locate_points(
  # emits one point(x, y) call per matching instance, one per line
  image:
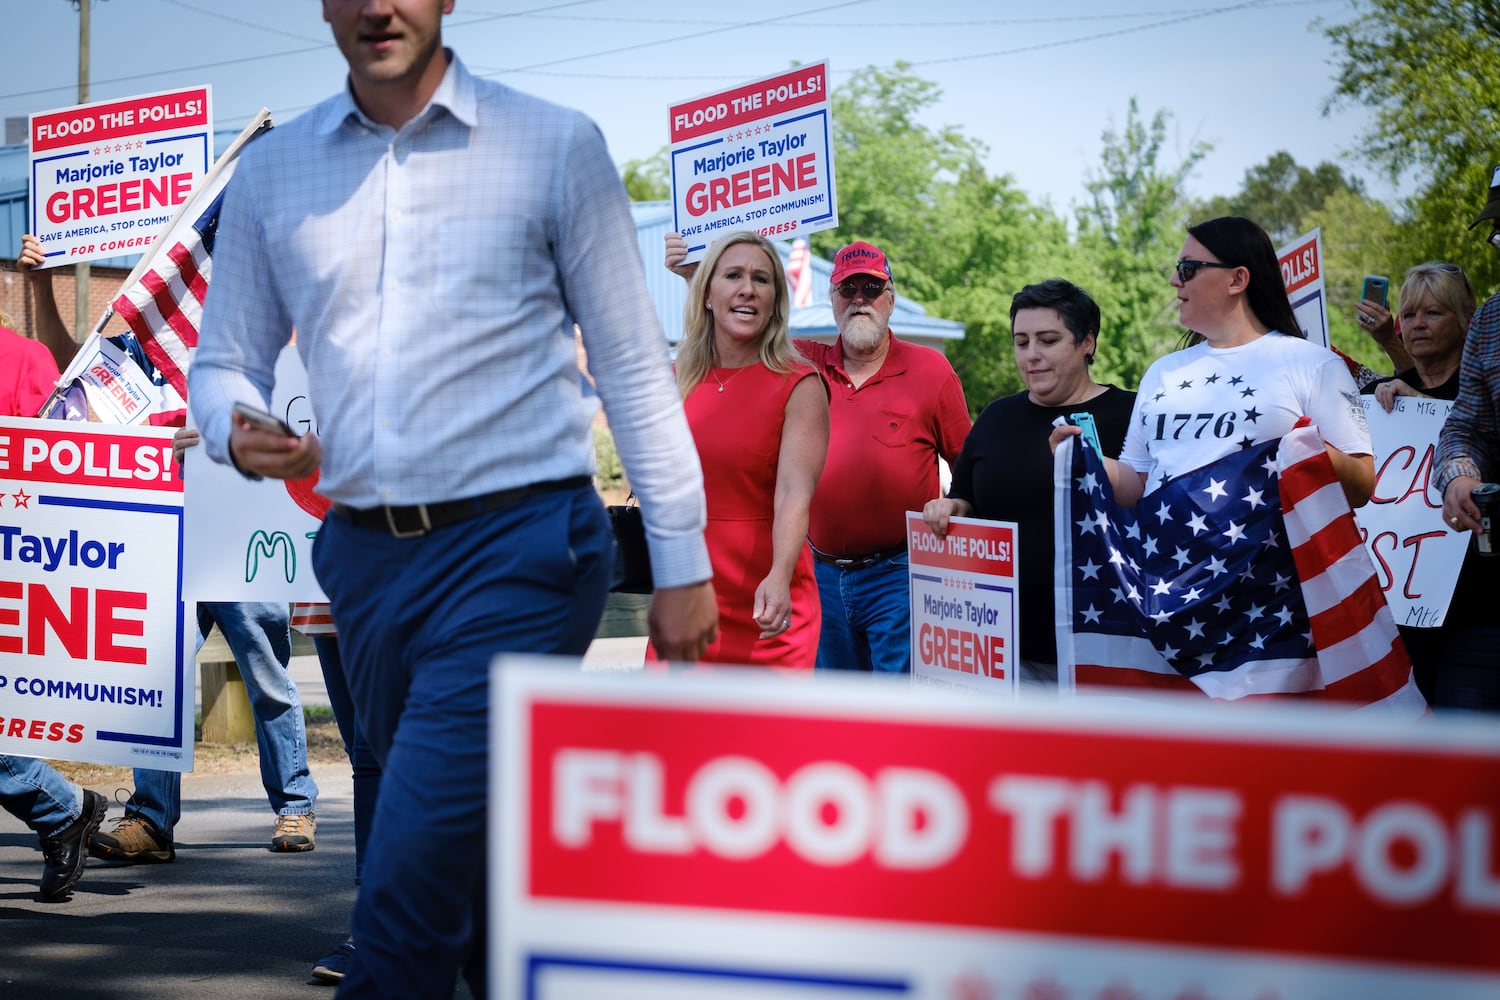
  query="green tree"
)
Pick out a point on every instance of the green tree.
point(649, 178)
point(1359, 238)
point(960, 240)
point(1129, 232)
point(1430, 70)
point(1279, 194)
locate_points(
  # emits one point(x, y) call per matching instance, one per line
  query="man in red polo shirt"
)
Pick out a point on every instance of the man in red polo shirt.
point(894, 409)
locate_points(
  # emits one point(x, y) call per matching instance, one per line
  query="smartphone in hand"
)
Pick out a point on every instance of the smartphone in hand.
point(261, 420)
point(1375, 289)
point(1090, 431)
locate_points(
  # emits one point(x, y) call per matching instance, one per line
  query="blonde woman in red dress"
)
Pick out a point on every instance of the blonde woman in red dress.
point(759, 415)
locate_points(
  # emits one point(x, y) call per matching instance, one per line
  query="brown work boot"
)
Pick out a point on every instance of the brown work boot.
point(134, 840)
point(295, 833)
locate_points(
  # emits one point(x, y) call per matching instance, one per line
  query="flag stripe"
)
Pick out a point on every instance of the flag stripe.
point(1109, 675)
point(164, 308)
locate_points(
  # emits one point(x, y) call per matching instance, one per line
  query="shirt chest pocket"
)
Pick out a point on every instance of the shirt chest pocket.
point(895, 426)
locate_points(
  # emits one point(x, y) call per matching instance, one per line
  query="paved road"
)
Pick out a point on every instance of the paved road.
point(227, 919)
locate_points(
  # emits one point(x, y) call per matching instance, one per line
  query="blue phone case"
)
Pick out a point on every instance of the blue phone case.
point(1090, 432)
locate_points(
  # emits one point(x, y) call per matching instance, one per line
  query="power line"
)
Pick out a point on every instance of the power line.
point(680, 38)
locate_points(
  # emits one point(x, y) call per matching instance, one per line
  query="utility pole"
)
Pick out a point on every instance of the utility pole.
point(83, 320)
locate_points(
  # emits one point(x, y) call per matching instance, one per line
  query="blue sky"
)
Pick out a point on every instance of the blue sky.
point(1036, 83)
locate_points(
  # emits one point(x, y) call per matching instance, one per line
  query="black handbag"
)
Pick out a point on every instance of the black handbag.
point(632, 557)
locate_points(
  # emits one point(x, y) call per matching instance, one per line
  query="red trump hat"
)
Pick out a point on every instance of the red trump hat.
point(860, 258)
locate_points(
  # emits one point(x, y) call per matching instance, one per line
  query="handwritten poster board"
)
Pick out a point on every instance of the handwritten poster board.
point(1417, 557)
point(251, 540)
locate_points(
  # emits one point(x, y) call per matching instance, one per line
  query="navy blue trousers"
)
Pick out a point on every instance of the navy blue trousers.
point(420, 620)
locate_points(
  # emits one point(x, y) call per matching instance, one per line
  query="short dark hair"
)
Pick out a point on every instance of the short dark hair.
point(1241, 243)
point(1079, 311)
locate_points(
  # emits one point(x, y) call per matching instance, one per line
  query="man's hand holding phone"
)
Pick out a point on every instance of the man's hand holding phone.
point(263, 445)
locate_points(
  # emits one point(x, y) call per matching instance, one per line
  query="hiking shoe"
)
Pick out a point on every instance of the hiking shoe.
point(294, 833)
point(64, 854)
point(135, 840)
point(332, 967)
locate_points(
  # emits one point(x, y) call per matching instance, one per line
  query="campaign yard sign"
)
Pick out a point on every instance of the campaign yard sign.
point(92, 659)
point(758, 157)
point(963, 604)
point(749, 837)
point(1302, 271)
point(107, 177)
point(251, 540)
point(1417, 557)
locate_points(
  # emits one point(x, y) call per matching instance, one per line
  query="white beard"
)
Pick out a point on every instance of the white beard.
point(862, 333)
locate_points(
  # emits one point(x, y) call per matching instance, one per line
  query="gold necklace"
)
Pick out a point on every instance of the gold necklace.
point(723, 382)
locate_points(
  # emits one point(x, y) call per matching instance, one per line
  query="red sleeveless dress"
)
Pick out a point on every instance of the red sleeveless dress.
point(738, 433)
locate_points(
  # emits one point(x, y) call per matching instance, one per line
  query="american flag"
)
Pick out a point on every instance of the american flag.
point(799, 274)
point(164, 306)
point(162, 300)
point(1246, 577)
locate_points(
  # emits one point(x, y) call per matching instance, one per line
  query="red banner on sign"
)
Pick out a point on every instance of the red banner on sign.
point(1239, 842)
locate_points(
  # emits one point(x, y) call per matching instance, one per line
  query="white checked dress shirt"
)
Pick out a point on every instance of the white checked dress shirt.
point(433, 275)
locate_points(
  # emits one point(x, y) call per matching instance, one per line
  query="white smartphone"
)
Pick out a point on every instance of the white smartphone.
point(262, 420)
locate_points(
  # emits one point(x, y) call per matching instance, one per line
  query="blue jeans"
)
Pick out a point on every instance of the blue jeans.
point(866, 617)
point(261, 640)
point(420, 620)
point(361, 758)
point(33, 792)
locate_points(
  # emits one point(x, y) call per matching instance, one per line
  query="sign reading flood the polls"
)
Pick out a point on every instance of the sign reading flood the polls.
point(107, 177)
point(748, 837)
point(756, 157)
point(91, 617)
point(963, 604)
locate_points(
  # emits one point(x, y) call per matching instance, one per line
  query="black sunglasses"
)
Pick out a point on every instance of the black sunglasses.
point(1186, 269)
point(871, 288)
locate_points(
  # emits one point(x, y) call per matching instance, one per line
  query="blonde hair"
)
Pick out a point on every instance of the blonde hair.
point(1445, 284)
point(696, 353)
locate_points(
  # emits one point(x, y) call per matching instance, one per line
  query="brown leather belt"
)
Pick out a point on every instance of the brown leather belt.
point(855, 562)
point(419, 519)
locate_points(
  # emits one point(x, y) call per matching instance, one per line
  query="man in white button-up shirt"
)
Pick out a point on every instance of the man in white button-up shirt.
point(433, 238)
